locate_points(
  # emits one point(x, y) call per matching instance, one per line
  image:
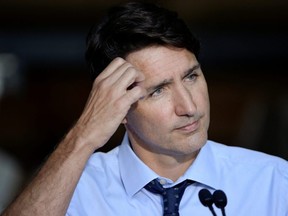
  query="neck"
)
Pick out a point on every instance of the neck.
point(171, 166)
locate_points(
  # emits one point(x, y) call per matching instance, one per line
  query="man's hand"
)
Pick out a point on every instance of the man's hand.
point(112, 94)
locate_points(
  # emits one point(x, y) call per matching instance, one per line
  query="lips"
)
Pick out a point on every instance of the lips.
point(190, 127)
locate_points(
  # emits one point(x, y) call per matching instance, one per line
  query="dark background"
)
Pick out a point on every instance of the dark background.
point(44, 81)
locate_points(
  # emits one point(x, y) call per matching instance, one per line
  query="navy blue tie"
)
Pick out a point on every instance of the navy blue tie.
point(171, 196)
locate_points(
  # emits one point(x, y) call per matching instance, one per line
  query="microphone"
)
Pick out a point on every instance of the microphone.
point(206, 199)
point(220, 200)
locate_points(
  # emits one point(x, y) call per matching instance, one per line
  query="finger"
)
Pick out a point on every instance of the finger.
point(132, 96)
point(112, 67)
point(129, 79)
point(121, 72)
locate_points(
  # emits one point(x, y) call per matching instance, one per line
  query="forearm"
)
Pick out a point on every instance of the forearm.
point(51, 190)
point(108, 103)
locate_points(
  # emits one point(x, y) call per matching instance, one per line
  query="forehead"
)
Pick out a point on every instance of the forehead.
point(160, 62)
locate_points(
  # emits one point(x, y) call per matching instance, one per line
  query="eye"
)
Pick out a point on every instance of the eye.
point(157, 92)
point(192, 76)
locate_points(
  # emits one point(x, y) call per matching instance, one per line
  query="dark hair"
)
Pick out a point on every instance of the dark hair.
point(134, 26)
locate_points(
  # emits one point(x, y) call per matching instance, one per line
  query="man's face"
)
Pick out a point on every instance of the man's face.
point(173, 118)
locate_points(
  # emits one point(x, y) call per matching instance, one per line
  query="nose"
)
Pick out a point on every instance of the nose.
point(183, 102)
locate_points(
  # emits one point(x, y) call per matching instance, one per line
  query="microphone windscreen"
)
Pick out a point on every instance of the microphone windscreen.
point(205, 197)
point(220, 198)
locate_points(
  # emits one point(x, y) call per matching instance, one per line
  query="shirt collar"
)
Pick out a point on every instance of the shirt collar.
point(135, 174)
point(205, 169)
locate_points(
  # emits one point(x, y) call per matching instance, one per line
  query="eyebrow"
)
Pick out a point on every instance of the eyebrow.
point(191, 70)
point(160, 85)
point(169, 81)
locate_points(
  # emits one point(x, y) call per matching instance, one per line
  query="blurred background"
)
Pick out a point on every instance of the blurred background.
point(44, 82)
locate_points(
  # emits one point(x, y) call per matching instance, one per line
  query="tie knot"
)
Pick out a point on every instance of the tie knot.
point(171, 196)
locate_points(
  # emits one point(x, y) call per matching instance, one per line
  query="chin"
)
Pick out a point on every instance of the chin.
point(197, 142)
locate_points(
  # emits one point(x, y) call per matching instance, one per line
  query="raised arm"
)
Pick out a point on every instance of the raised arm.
point(110, 99)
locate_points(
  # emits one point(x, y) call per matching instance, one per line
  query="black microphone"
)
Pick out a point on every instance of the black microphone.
point(220, 200)
point(206, 199)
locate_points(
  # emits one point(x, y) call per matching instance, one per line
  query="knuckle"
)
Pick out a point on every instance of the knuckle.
point(111, 93)
point(131, 71)
point(119, 105)
point(101, 85)
point(135, 94)
point(119, 60)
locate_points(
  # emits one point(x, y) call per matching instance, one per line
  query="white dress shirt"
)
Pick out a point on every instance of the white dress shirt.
point(112, 184)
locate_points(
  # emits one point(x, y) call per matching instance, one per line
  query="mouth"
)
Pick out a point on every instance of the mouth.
point(190, 127)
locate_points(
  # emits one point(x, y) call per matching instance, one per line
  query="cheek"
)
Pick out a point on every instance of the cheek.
point(205, 101)
point(149, 116)
point(203, 97)
point(156, 114)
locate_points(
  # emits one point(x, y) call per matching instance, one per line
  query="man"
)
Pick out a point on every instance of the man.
point(151, 81)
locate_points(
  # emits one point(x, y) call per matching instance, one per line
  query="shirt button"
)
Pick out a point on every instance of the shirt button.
point(162, 181)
